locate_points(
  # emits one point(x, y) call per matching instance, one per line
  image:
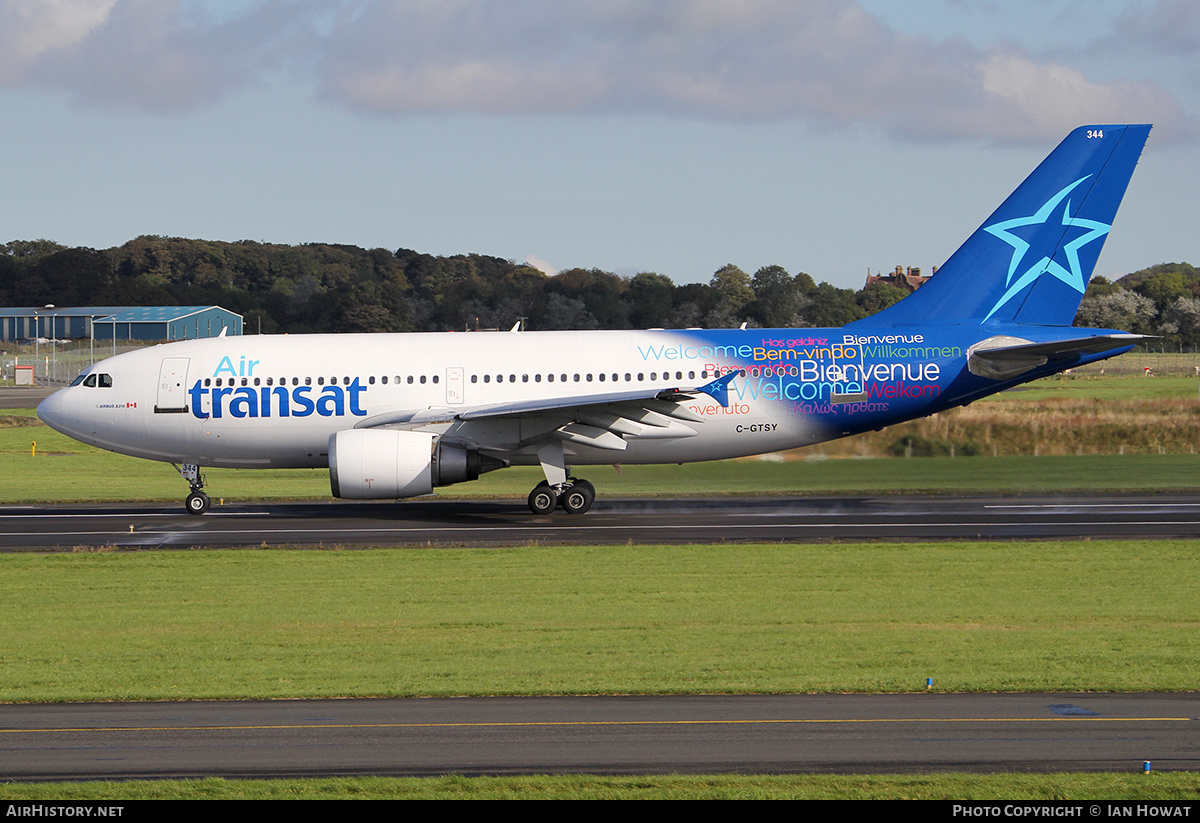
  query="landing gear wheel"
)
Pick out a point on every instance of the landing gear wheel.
point(543, 499)
point(578, 498)
point(197, 503)
point(577, 482)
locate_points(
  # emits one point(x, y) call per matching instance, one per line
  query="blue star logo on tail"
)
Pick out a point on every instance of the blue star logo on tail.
point(1072, 276)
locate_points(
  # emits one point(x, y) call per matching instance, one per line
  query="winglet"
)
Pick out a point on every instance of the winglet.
point(719, 389)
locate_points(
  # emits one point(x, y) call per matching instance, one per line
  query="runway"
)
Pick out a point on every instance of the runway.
point(775, 734)
point(25, 397)
point(431, 522)
point(605, 735)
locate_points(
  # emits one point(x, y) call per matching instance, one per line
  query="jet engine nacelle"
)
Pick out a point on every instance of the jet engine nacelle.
point(380, 464)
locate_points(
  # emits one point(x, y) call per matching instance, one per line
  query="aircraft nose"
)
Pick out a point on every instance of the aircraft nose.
point(50, 409)
point(55, 412)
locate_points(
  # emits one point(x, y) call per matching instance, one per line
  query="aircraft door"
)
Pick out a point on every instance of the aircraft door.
point(172, 386)
point(454, 385)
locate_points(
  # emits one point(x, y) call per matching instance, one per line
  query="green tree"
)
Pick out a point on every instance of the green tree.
point(1099, 285)
point(601, 293)
point(876, 297)
point(732, 294)
point(778, 299)
point(367, 319)
point(651, 297)
point(831, 307)
point(1124, 310)
point(30, 251)
point(1164, 288)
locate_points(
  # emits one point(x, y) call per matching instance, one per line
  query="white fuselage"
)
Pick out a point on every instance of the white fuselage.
point(274, 401)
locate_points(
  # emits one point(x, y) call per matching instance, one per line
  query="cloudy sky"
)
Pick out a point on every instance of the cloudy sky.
point(829, 136)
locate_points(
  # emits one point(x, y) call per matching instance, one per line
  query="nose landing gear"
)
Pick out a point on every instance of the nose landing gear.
point(197, 502)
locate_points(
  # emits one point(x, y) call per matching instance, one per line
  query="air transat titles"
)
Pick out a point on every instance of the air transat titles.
point(276, 401)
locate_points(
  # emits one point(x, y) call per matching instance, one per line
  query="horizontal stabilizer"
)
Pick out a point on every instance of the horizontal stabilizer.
point(1003, 357)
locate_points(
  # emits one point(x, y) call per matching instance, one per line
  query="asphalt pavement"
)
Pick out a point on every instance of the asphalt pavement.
point(775, 734)
point(434, 522)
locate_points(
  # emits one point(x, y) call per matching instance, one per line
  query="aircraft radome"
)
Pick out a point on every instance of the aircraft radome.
point(395, 415)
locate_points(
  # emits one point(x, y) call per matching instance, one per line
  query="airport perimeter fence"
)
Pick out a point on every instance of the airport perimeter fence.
point(1157, 362)
point(57, 364)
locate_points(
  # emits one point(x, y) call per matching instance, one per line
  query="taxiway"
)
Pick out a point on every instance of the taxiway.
point(602, 735)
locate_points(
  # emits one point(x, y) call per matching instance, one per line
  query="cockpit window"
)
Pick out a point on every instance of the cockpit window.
point(90, 382)
point(78, 380)
point(105, 381)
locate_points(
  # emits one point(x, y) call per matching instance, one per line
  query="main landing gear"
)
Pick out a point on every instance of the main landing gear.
point(575, 496)
point(197, 502)
point(558, 489)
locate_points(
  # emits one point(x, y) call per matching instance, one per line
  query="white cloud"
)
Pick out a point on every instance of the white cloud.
point(829, 63)
point(1167, 26)
point(1051, 98)
point(154, 55)
point(32, 29)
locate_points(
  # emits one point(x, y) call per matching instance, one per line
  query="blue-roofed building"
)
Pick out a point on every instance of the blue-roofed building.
point(119, 322)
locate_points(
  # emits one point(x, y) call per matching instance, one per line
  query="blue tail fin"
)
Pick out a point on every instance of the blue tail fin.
point(1030, 262)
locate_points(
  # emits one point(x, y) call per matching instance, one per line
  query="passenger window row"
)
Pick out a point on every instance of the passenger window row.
point(602, 377)
point(104, 381)
point(309, 381)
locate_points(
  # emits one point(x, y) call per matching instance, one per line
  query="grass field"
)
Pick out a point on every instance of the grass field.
point(1021, 616)
point(94, 476)
point(1056, 416)
point(1169, 786)
point(1044, 616)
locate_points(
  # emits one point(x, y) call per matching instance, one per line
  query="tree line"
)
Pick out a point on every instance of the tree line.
point(319, 287)
point(1162, 300)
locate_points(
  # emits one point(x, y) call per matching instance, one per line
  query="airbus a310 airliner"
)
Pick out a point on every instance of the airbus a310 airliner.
point(394, 415)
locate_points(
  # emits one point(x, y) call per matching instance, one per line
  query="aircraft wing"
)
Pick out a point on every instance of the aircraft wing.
point(598, 420)
point(1003, 357)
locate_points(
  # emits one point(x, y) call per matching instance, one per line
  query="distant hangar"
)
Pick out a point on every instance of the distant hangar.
point(145, 323)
